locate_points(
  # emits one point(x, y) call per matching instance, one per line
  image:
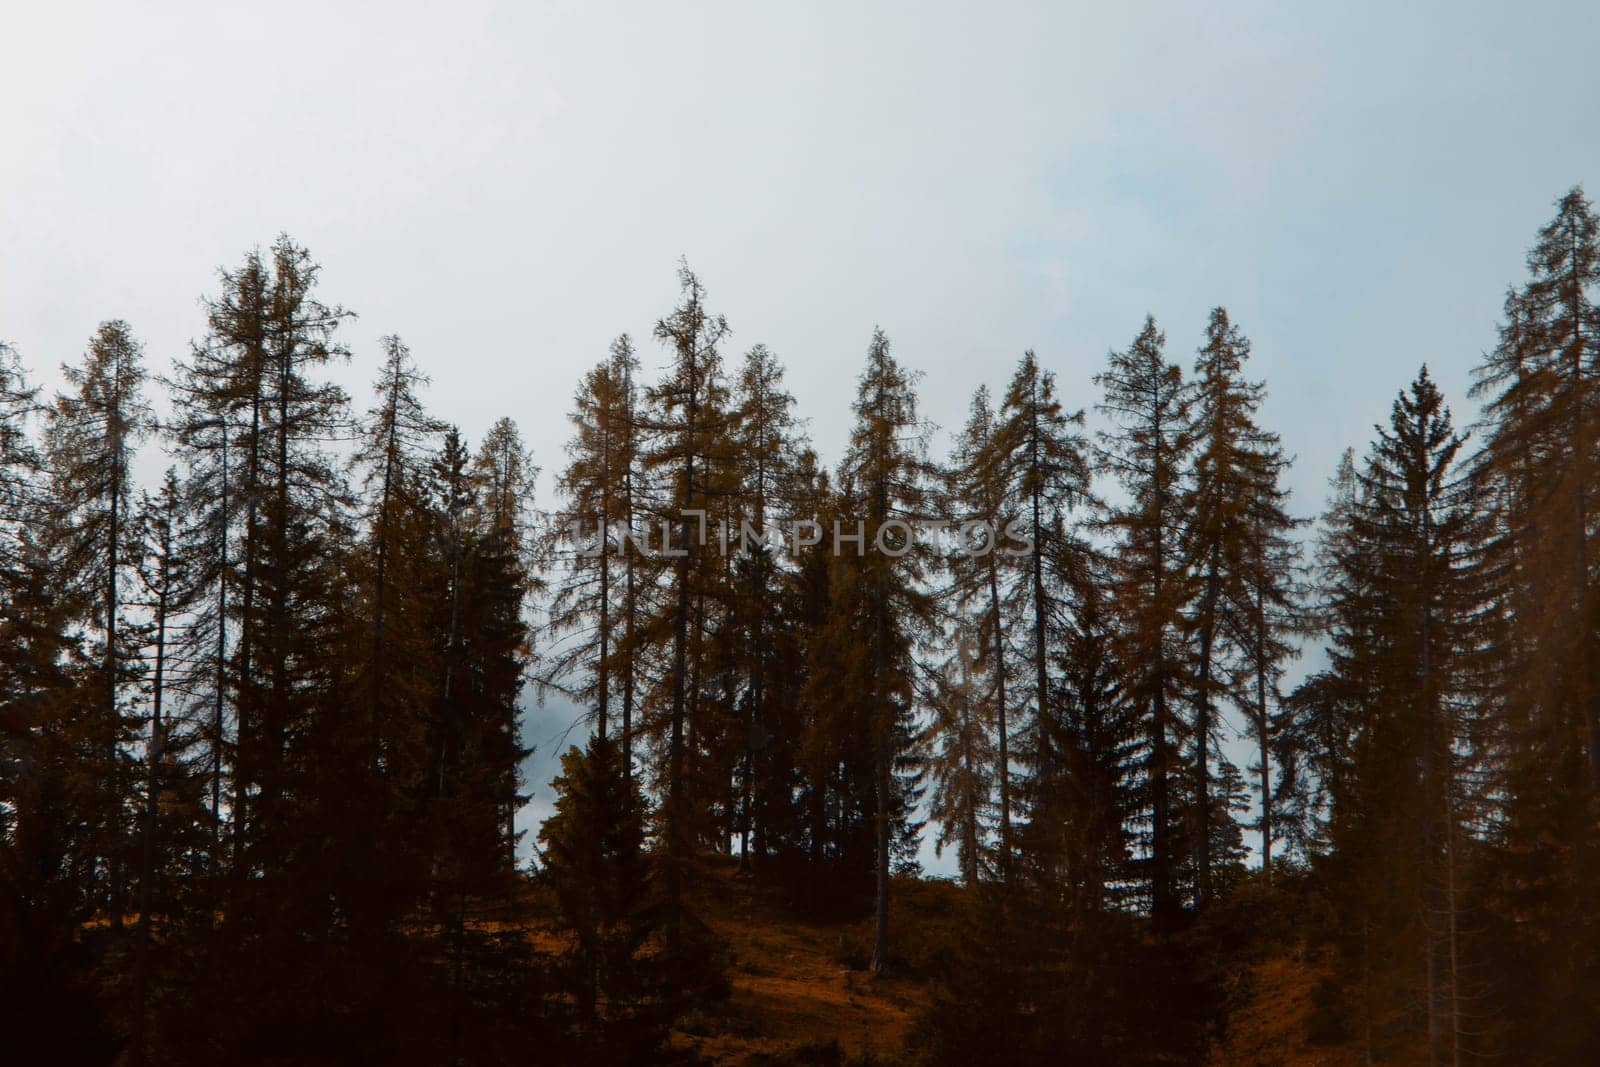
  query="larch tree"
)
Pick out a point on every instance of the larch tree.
point(979, 500)
point(1234, 545)
point(764, 456)
point(1043, 464)
point(396, 441)
point(961, 758)
point(592, 540)
point(504, 470)
point(686, 422)
point(91, 434)
point(881, 597)
point(1147, 448)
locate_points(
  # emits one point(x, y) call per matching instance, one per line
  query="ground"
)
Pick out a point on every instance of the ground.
point(799, 987)
point(1268, 1030)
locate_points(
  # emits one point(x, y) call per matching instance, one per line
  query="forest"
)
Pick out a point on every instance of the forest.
point(261, 738)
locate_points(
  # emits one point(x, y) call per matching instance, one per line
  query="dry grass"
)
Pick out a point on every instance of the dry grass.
point(797, 984)
point(792, 985)
point(1269, 1031)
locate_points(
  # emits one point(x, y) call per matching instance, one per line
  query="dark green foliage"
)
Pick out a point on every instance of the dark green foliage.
point(593, 859)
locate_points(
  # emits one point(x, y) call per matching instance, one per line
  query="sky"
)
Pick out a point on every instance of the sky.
point(509, 186)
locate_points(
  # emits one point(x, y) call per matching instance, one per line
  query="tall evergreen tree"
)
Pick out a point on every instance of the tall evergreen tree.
point(91, 434)
point(505, 474)
point(961, 755)
point(980, 502)
point(764, 457)
point(594, 860)
point(1147, 449)
point(687, 421)
point(1044, 468)
point(1538, 464)
point(594, 534)
point(1235, 546)
point(881, 598)
point(1406, 608)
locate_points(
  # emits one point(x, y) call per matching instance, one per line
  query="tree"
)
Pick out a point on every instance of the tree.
point(1236, 547)
point(764, 458)
point(505, 473)
point(594, 861)
point(166, 576)
point(961, 757)
point(1045, 471)
point(1405, 614)
point(880, 597)
point(395, 440)
point(980, 502)
point(19, 459)
point(90, 437)
point(1151, 438)
point(687, 420)
point(596, 527)
point(1537, 465)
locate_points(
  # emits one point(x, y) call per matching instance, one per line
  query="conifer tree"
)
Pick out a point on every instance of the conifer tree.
point(1405, 609)
point(91, 434)
point(19, 459)
point(1147, 450)
point(961, 757)
point(980, 502)
point(1100, 737)
point(880, 597)
point(687, 419)
point(594, 860)
point(171, 819)
point(1236, 522)
point(764, 458)
point(1045, 473)
point(1537, 464)
point(505, 473)
point(594, 532)
point(395, 441)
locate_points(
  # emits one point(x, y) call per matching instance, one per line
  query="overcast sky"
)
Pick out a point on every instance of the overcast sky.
point(508, 186)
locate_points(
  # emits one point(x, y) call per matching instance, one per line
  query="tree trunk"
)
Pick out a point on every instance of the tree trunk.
point(141, 970)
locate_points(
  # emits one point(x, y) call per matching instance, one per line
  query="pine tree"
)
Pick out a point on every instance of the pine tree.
point(1101, 740)
point(1149, 406)
point(1046, 474)
point(505, 473)
point(171, 816)
point(19, 459)
point(52, 789)
point(1405, 610)
point(687, 420)
point(1235, 546)
point(1537, 464)
point(880, 597)
point(90, 438)
point(594, 532)
point(482, 652)
point(765, 450)
point(980, 502)
point(961, 757)
point(594, 861)
point(395, 441)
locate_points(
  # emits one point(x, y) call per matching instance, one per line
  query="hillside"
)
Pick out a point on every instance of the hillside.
point(799, 986)
point(801, 994)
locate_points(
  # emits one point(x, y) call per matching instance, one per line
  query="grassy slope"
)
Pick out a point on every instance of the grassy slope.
point(799, 985)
